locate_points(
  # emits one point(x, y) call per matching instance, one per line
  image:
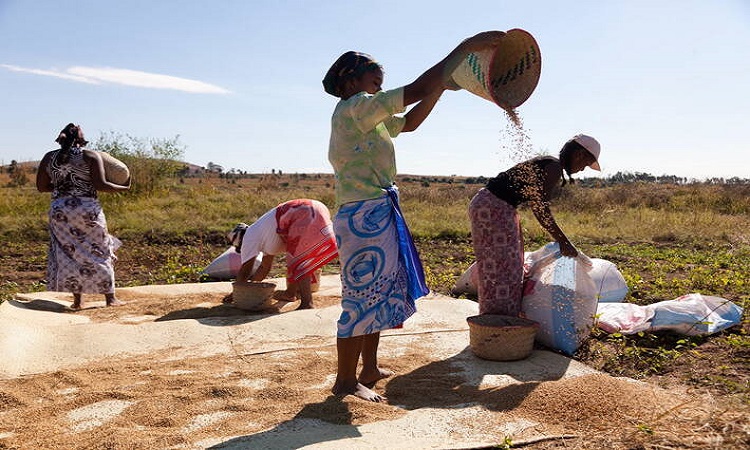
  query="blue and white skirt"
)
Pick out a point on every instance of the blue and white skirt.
point(381, 274)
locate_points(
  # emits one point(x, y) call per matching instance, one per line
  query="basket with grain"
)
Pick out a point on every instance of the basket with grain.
point(501, 338)
point(115, 171)
point(252, 296)
point(506, 74)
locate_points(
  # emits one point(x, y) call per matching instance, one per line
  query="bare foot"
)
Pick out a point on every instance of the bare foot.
point(369, 379)
point(114, 302)
point(358, 390)
point(308, 305)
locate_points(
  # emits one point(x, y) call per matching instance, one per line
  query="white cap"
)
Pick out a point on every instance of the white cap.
point(593, 147)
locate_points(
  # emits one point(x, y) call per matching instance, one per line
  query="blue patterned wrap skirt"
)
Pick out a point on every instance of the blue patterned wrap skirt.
point(381, 274)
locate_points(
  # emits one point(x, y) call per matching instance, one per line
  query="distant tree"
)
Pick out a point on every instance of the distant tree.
point(17, 175)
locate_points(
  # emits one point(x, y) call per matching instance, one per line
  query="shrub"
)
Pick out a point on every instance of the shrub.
point(153, 163)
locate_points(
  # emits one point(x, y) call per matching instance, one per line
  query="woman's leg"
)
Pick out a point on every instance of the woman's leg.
point(348, 350)
point(304, 289)
point(77, 302)
point(371, 373)
point(112, 300)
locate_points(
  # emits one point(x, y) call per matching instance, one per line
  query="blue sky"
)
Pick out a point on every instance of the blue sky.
point(664, 85)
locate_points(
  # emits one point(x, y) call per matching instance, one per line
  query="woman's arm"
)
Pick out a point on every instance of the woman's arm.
point(547, 221)
point(98, 179)
point(438, 76)
point(419, 113)
point(265, 268)
point(43, 180)
point(246, 270)
point(539, 194)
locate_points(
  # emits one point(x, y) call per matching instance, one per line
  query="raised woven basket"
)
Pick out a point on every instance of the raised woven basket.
point(506, 74)
point(252, 296)
point(501, 338)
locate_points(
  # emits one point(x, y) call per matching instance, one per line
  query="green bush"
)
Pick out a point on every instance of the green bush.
point(153, 163)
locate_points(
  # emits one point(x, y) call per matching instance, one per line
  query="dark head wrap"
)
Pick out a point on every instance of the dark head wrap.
point(349, 65)
point(70, 136)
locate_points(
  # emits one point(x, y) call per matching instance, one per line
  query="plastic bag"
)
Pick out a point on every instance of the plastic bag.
point(609, 282)
point(227, 265)
point(560, 295)
point(467, 282)
point(691, 314)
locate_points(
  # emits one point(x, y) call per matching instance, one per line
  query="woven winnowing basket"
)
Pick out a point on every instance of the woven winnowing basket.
point(252, 296)
point(501, 338)
point(506, 74)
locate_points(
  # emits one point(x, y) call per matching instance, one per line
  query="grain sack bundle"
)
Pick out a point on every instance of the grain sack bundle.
point(609, 282)
point(561, 296)
point(115, 171)
point(227, 265)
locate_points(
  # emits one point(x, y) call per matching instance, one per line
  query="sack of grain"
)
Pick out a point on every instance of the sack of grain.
point(560, 295)
point(115, 171)
point(610, 284)
point(226, 265)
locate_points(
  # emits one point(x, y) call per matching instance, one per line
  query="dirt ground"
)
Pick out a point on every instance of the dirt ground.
point(157, 401)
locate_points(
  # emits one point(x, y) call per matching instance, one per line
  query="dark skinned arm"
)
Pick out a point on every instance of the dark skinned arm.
point(100, 183)
point(539, 203)
point(438, 77)
point(420, 111)
point(43, 181)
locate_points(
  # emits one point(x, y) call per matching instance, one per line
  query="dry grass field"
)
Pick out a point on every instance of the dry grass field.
point(666, 239)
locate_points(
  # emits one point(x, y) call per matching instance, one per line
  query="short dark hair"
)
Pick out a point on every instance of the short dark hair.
point(566, 153)
point(71, 135)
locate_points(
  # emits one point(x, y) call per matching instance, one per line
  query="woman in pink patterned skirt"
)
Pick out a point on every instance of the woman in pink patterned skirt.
point(495, 226)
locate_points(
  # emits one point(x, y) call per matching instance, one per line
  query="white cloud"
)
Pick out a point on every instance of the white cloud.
point(110, 75)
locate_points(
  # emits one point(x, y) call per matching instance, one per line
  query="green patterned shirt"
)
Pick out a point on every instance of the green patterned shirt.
point(361, 150)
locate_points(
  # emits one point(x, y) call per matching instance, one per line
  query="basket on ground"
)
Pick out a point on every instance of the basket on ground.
point(501, 338)
point(252, 296)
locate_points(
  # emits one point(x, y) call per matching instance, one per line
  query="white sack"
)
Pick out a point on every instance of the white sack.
point(227, 265)
point(691, 314)
point(561, 296)
point(609, 282)
point(467, 282)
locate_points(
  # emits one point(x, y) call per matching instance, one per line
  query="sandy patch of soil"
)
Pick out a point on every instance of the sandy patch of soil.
point(141, 307)
point(160, 400)
point(157, 401)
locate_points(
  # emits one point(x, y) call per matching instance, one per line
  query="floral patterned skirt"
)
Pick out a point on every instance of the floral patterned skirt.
point(498, 247)
point(81, 251)
point(306, 228)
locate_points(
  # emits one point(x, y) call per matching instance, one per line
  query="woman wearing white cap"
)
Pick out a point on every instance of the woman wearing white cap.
point(495, 224)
